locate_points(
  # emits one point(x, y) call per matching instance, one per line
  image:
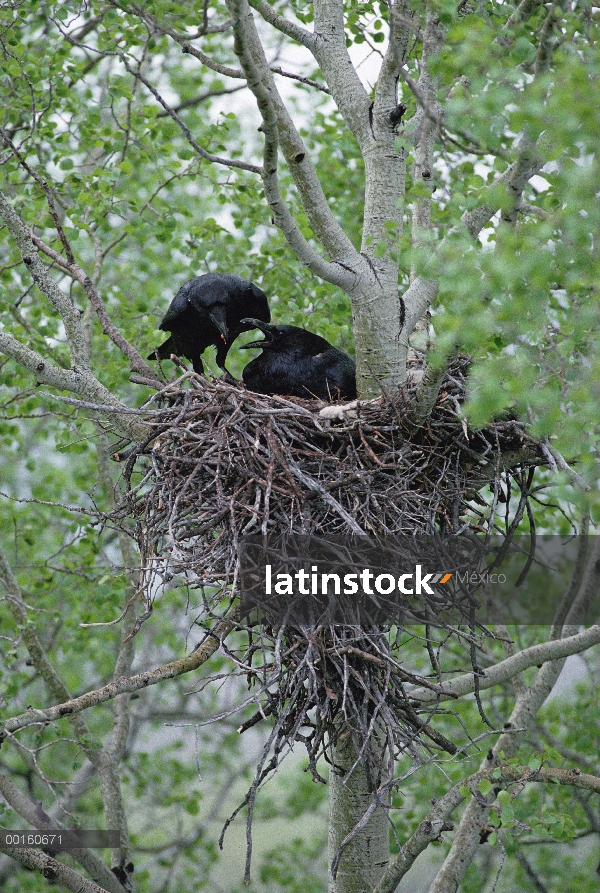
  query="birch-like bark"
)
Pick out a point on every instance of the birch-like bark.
point(521, 720)
point(376, 308)
point(260, 80)
point(106, 761)
point(242, 29)
point(122, 685)
point(423, 290)
point(79, 379)
point(290, 29)
point(83, 384)
point(365, 857)
point(436, 821)
point(32, 812)
point(64, 306)
point(39, 658)
point(51, 870)
point(552, 650)
point(331, 53)
point(426, 133)
point(114, 747)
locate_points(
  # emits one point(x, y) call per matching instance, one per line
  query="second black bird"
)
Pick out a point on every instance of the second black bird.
point(298, 363)
point(210, 310)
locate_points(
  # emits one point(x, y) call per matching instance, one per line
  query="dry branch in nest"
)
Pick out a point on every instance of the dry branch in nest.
point(224, 463)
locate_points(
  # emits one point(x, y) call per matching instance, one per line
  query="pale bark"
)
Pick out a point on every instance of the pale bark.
point(423, 290)
point(260, 80)
point(426, 127)
point(39, 659)
point(63, 305)
point(106, 760)
point(331, 52)
point(137, 363)
point(436, 822)
point(521, 720)
point(79, 379)
point(71, 706)
point(51, 870)
point(365, 856)
point(290, 29)
point(84, 384)
point(34, 815)
point(370, 279)
point(555, 649)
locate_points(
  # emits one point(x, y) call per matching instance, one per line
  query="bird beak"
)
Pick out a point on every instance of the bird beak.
point(265, 328)
point(217, 316)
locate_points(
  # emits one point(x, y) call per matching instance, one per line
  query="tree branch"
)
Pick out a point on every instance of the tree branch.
point(202, 97)
point(38, 656)
point(47, 192)
point(120, 686)
point(69, 314)
point(51, 870)
point(290, 29)
point(426, 132)
point(504, 670)
point(422, 291)
point(82, 383)
point(522, 718)
point(436, 822)
point(298, 77)
point(207, 156)
point(253, 62)
point(429, 388)
point(35, 816)
point(522, 13)
point(182, 39)
point(386, 89)
point(138, 364)
point(330, 51)
point(323, 222)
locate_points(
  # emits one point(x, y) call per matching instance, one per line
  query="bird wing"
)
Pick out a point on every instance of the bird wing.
point(178, 306)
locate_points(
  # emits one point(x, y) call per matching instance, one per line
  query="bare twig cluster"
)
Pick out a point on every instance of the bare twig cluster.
point(224, 460)
point(223, 463)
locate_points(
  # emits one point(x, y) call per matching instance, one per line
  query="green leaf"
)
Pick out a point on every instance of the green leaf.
point(484, 786)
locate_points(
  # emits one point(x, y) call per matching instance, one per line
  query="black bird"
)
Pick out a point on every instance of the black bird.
point(298, 363)
point(210, 309)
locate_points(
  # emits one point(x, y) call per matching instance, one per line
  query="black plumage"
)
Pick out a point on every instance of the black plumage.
point(298, 363)
point(207, 310)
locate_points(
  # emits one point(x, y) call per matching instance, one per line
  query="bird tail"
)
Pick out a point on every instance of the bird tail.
point(163, 352)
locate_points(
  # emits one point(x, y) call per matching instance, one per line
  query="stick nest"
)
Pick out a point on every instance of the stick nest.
point(223, 463)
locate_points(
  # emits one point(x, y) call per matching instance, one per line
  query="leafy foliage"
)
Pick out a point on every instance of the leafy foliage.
point(143, 212)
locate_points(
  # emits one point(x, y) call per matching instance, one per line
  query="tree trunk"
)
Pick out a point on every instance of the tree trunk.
point(365, 857)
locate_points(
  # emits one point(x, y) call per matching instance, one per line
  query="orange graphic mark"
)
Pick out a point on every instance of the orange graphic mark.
point(445, 578)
